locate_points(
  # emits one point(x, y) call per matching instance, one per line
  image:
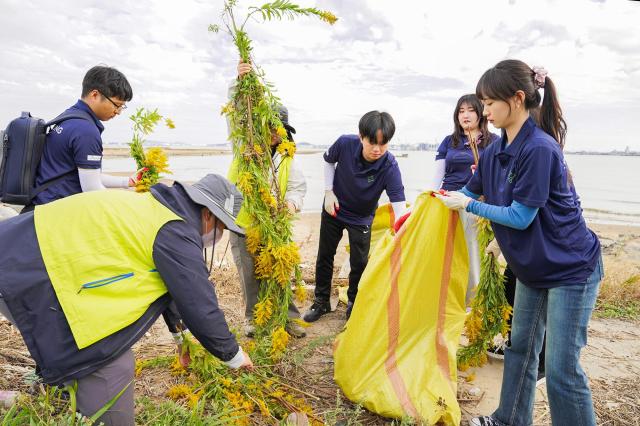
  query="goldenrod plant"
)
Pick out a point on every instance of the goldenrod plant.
point(253, 113)
point(490, 311)
point(152, 162)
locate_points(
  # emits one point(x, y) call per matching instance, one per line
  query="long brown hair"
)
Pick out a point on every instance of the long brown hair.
point(458, 132)
point(507, 77)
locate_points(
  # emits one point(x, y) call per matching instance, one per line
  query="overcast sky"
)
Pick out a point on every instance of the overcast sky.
point(410, 58)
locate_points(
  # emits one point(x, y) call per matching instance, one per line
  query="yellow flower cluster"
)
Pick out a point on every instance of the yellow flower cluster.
point(264, 409)
point(300, 293)
point(473, 325)
point(279, 340)
point(262, 312)
point(252, 236)
point(176, 368)
point(144, 184)
point(245, 182)
point(243, 408)
point(264, 263)
point(287, 148)
point(258, 149)
point(193, 398)
point(328, 17)
point(157, 159)
point(282, 132)
point(268, 198)
point(285, 257)
point(277, 262)
point(227, 108)
point(138, 366)
point(507, 311)
point(179, 392)
point(250, 346)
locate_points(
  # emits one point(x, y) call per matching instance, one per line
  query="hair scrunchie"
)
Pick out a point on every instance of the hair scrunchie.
point(540, 76)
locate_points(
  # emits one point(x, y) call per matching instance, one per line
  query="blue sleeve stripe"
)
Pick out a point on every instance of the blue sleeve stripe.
point(517, 216)
point(470, 194)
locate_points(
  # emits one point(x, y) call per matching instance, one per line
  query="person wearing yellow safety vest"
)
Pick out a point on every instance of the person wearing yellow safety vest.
point(293, 187)
point(83, 278)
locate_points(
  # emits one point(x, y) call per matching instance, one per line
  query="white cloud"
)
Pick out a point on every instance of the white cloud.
point(413, 59)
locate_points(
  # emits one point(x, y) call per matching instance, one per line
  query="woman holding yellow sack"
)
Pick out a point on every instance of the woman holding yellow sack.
point(537, 220)
point(457, 156)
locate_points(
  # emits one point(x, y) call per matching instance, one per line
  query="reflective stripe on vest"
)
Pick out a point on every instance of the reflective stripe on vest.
point(244, 219)
point(97, 248)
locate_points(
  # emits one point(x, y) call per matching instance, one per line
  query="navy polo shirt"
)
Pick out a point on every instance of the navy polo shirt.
point(73, 144)
point(557, 248)
point(458, 161)
point(358, 183)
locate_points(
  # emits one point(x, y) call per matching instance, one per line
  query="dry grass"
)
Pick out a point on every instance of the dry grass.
point(15, 361)
point(617, 402)
point(620, 290)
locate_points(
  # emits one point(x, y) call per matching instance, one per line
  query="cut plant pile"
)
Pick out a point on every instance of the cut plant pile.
point(490, 310)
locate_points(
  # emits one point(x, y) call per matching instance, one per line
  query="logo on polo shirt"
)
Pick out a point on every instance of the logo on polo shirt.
point(94, 157)
point(371, 178)
point(58, 129)
point(512, 176)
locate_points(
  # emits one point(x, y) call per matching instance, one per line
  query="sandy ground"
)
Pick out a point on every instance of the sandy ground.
point(611, 359)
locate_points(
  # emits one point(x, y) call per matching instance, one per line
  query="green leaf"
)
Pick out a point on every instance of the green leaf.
point(109, 404)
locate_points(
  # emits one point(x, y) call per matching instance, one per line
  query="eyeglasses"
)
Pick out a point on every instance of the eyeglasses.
point(118, 107)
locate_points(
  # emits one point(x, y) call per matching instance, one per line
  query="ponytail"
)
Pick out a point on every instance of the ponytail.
point(550, 117)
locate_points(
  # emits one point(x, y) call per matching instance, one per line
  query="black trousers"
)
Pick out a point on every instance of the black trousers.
point(331, 230)
point(510, 293)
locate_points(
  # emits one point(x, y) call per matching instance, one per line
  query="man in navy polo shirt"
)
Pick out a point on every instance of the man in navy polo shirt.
point(73, 149)
point(357, 169)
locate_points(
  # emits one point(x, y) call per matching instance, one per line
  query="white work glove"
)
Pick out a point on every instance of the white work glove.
point(493, 248)
point(331, 204)
point(454, 200)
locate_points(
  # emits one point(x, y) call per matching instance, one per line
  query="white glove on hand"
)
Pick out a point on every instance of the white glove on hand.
point(493, 248)
point(331, 204)
point(454, 200)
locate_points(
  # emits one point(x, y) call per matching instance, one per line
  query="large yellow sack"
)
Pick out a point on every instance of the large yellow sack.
point(397, 355)
point(383, 221)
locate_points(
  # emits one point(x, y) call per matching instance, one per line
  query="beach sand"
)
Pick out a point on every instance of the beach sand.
point(612, 357)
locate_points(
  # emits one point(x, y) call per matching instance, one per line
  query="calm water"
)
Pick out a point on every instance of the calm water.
point(607, 185)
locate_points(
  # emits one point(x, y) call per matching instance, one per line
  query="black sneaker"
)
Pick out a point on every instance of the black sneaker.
point(349, 309)
point(316, 311)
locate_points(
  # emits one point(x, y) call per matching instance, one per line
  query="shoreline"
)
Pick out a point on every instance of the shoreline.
point(112, 152)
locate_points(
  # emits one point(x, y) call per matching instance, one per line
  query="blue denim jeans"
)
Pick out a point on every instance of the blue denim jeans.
point(564, 311)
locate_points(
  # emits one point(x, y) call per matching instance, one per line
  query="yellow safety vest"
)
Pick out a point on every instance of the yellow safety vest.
point(244, 219)
point(97, 248)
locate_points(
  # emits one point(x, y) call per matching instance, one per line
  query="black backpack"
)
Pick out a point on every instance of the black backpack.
point(22, 146)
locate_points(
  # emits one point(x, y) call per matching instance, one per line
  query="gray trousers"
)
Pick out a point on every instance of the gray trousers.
point(99, 387)
point(246, 270)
